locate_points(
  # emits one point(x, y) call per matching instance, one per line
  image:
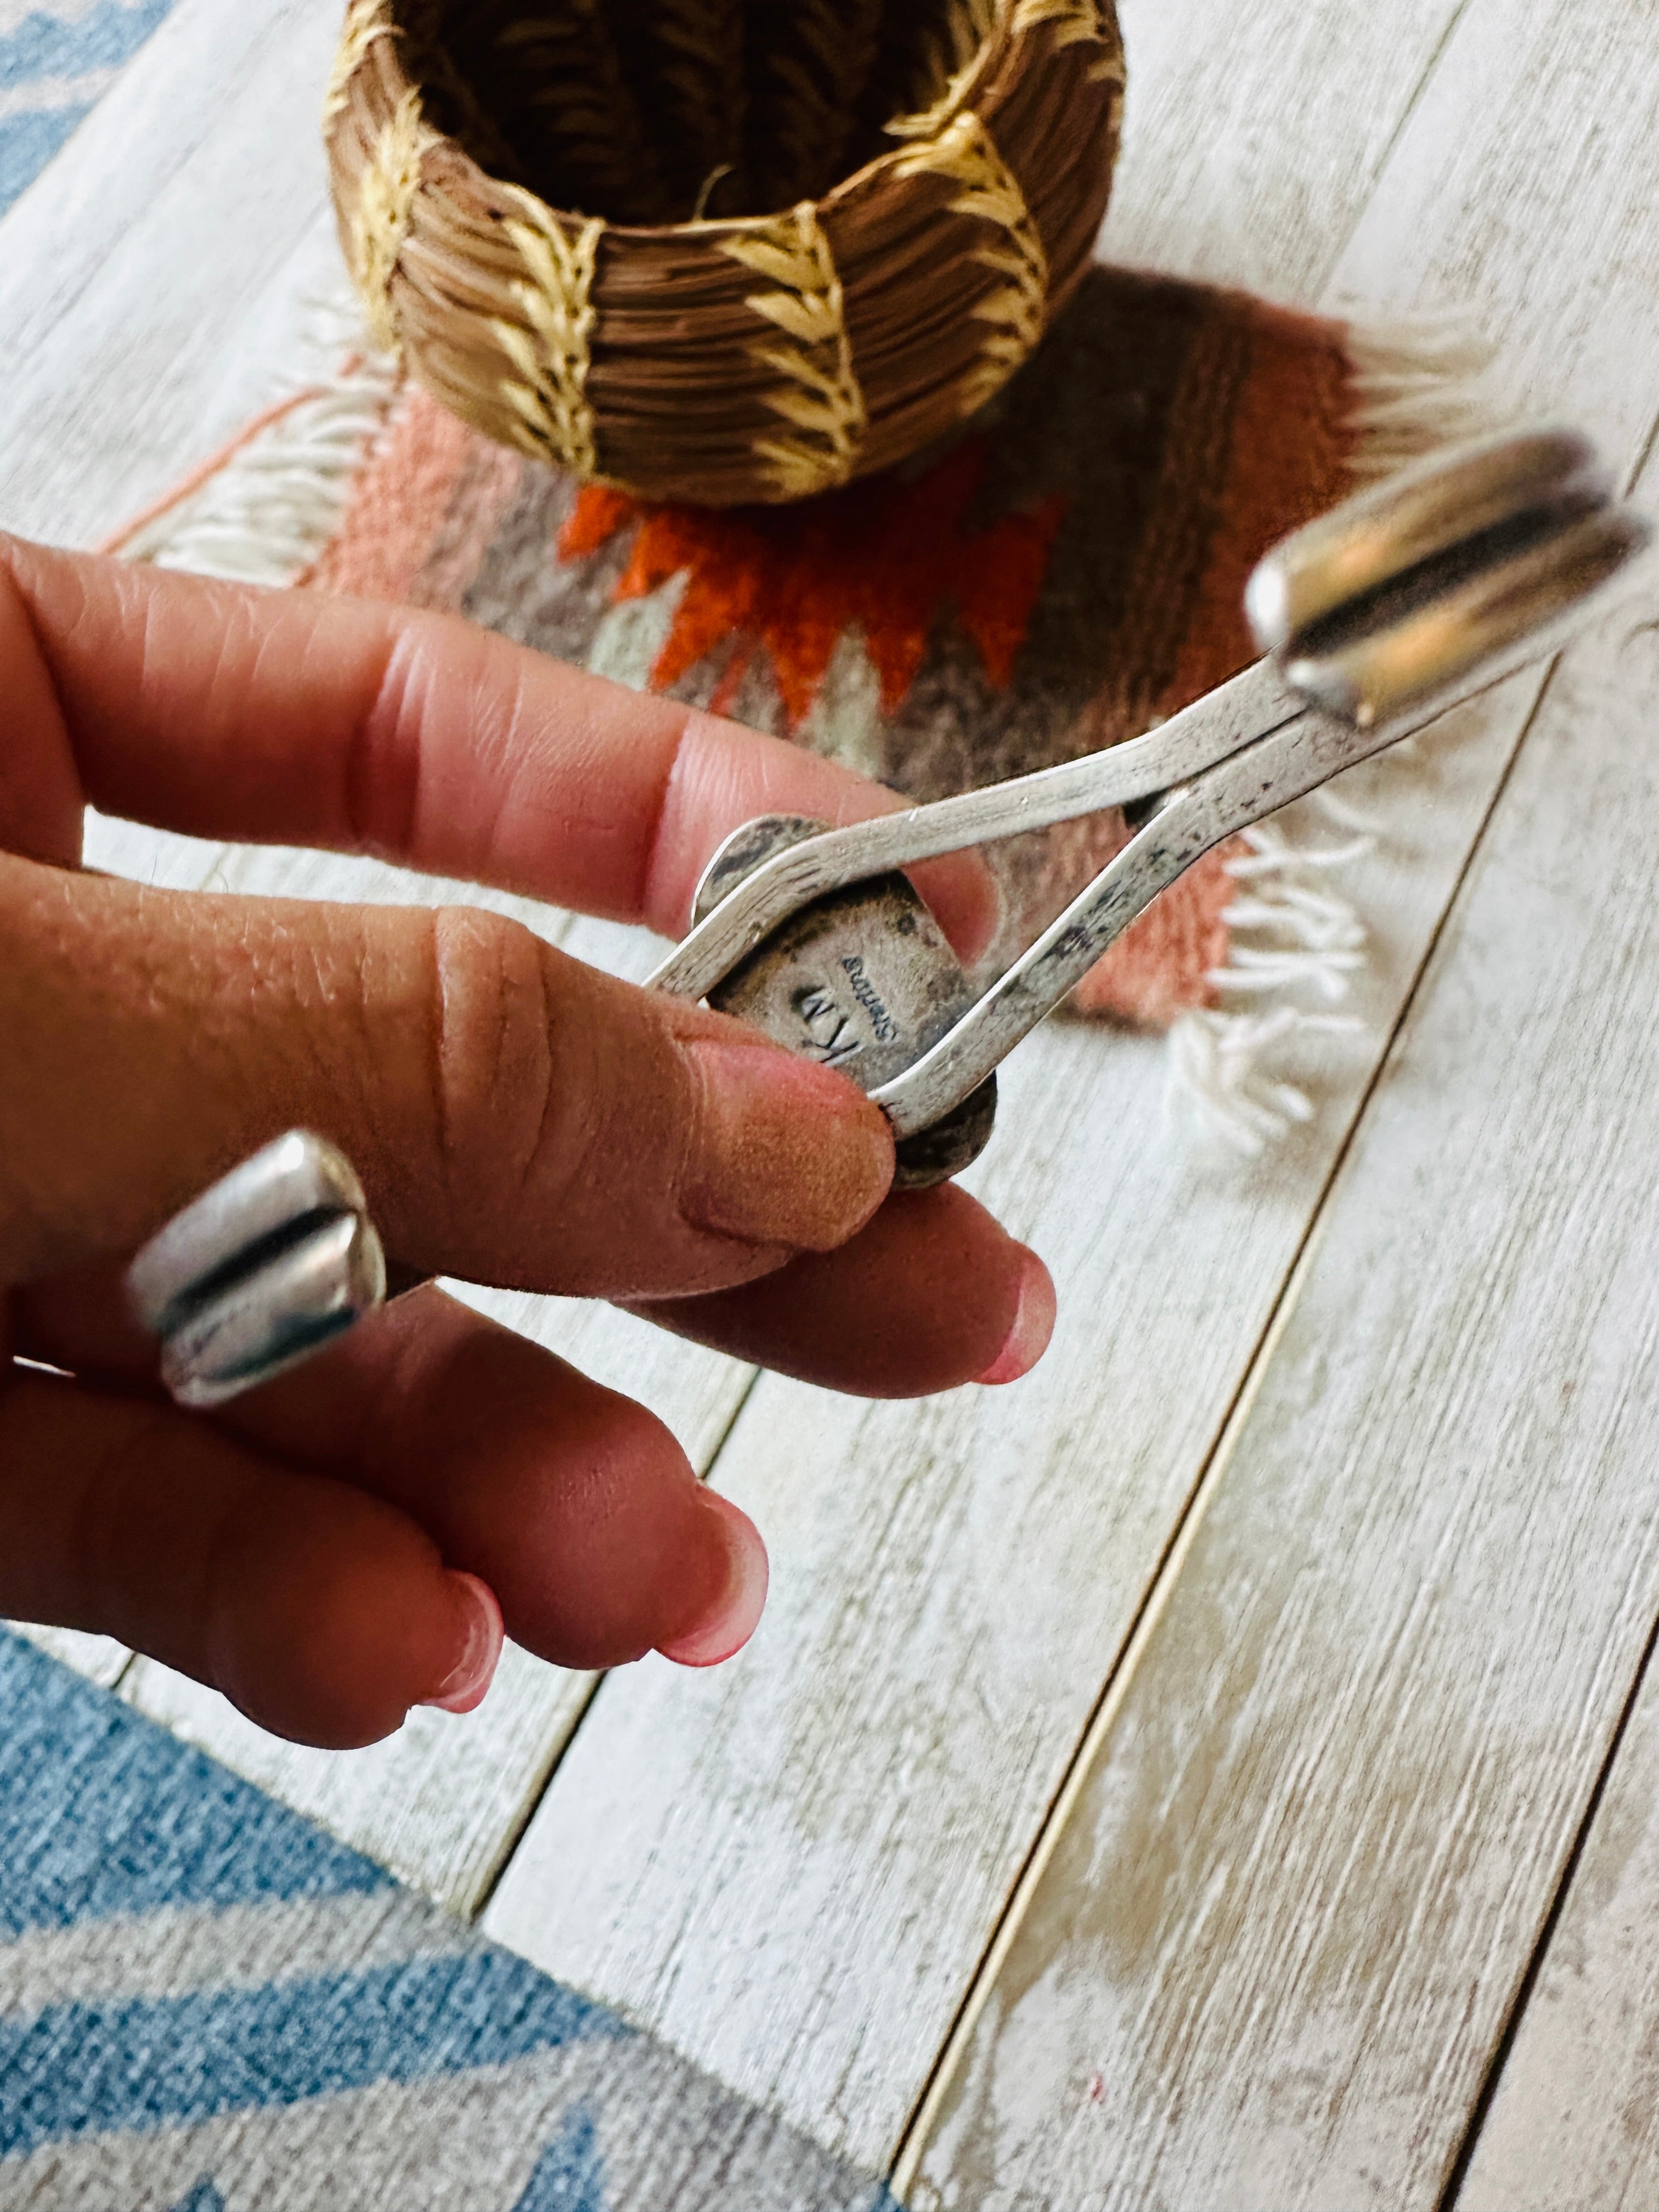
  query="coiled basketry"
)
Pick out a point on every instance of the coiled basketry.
point(717, 252)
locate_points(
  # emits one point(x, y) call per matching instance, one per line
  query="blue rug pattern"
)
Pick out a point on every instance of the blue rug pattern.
point(56, 62)
point(208, 2005)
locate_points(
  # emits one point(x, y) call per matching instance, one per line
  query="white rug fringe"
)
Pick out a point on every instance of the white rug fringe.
point(1295, 947)
point(1422, 382)
point(269, 510)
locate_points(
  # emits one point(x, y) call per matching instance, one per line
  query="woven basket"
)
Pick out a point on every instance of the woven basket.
point(567, 220)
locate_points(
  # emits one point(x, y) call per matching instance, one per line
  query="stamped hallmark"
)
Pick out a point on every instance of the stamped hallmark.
point(863, 982)
point(831, 1037)
point(863, 991)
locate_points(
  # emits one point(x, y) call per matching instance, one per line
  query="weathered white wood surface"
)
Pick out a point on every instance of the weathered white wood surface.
point(805, 1851)
point(1254, 138)
point(1325, 1811)
point(1269, 1958)
point(100, 1658)
point(155, 273)
point(1574, 2126)
point(808, 1854)
point(793, 1865)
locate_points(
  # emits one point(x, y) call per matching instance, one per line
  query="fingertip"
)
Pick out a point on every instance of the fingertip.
point(965, 900)
point(732, 1613)
point(930, 1295)
point(336, 1615)
point(1033, 1324)
point(786, 1152)
point(480, 1633)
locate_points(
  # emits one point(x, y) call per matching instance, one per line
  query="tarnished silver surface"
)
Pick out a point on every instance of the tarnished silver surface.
point(1449, 573)
point(863, 980)
point(269, 1264)
point(1375, 620)
point(1234, 715)
point(1181, 828)
point(1441, 507)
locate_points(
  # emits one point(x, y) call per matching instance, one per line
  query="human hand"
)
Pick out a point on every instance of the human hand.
point(345, 1542)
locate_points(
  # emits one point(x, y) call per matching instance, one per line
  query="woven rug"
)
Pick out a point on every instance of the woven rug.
point(1061, 576)
point(207, 2005)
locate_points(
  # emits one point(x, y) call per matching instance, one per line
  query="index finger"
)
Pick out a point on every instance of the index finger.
point(226, 712)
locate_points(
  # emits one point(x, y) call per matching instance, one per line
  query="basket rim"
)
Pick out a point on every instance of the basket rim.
point(959, 94)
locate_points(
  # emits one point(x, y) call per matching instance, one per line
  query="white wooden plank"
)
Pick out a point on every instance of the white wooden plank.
point(438, 1802)
point(152, 856)
point(805, 1855)
point(155, 271)
point(1323, 1815)
point(1523, 188)
point(100, 1658)
point(1278, 1236)
point(149, 128)
point(1574, 2126)
point(1252, 141)
point(149, 856)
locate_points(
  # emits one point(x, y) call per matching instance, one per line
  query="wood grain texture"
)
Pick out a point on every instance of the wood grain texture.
point(1253, 138)
point(1574, 2124)
point(1269, 1958)
point(1523, 188)
point(793, 1867)
point(807, 1856)
point(156, 270)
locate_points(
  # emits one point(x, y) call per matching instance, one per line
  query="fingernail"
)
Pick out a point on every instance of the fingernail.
point(789, 1152)
point(1034, 1324)
point(463, 1688)
point(732, 1619)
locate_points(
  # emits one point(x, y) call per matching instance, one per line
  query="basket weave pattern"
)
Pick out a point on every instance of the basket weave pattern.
point(753, 357)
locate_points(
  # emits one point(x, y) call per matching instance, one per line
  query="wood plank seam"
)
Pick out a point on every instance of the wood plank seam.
point(534, 1796)
point(1402, 122)
point(1138, 1593)
point(1114, 1688)
point(1458, 2172)
point(920, 2126)
point(653, 1978)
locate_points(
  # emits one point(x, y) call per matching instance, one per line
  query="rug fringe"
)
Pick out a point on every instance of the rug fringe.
point(1419, 383)
point(1287, 933)
point(264, 509)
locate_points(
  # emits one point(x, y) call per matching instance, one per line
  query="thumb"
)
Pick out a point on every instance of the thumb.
point(516, 1117)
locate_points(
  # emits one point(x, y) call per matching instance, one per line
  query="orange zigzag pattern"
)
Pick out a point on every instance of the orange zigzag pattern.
point(888, 558)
